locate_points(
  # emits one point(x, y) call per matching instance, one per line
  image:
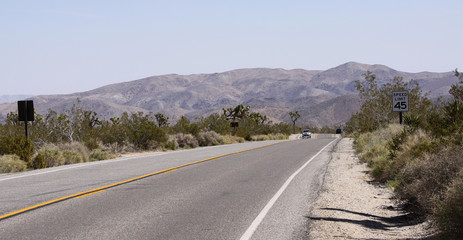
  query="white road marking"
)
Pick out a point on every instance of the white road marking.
point(252, 228)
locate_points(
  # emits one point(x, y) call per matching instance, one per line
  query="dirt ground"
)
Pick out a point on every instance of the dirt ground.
point(351, 206)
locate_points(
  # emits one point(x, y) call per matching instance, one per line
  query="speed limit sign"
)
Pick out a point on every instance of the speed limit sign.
point(400, 101)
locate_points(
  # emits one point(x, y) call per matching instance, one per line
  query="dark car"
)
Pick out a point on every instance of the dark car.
point(338, 131)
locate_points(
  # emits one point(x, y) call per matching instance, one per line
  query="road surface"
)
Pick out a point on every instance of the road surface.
point(257, 190)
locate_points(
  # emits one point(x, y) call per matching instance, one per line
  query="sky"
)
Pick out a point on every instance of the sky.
point(61, 47)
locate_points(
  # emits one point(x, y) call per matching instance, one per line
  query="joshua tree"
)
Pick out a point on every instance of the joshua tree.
point(162, 120)
point(294, 116)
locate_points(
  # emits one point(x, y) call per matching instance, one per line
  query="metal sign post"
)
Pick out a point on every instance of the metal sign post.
point(26, 112)
point(400, 103)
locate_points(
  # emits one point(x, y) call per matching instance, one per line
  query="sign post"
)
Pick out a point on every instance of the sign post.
point(26, 112)
point(400, 102)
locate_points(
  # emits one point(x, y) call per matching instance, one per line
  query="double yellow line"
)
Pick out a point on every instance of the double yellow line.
point(102, 189)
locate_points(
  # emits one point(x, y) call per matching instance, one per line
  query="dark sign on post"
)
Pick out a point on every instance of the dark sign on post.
point(26, 112)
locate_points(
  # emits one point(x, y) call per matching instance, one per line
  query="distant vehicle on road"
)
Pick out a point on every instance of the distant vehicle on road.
point(338, 131)
point(306, 133)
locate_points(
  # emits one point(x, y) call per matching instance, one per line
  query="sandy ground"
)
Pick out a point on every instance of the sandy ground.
point(350, 206)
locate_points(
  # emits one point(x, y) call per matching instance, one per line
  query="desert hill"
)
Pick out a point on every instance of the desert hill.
point(322, 97)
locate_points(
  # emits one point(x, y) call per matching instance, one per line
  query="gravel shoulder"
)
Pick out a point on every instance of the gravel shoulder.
point(351, 206)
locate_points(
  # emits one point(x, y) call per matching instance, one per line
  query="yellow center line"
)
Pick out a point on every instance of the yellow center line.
point(81, 196)
point(101, 189)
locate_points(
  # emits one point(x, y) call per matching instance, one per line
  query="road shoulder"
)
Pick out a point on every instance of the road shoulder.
point(350, 206)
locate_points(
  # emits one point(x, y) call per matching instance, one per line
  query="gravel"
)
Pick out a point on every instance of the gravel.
point(352, 206)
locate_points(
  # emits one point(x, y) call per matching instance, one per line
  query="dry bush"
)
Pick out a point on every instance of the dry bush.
point(427, 178)
point(48, 156)
point(76, 151)
point(371, 140)
point(98, 155)
point(12, 163)
point(116, 148)
point(373, 148)
point(414, 146)
point(186, 140)
point(448, 212)
point(281, 136)
point(72, 156)
point(229, 139)
point(262, 137)
point(209, 138)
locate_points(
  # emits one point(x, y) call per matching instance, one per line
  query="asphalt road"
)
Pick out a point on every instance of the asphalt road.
point(258, 190)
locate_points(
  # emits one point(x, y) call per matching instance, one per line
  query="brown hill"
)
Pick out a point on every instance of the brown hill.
point(322, 97)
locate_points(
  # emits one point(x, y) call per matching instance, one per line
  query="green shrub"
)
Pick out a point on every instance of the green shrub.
point(18, 145)
point(142, 131)
point(98, 155)
point(172, 145)
point(244, 133)
point(12, 163)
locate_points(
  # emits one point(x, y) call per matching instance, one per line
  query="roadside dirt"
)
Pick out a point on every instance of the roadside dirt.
point(351, 206)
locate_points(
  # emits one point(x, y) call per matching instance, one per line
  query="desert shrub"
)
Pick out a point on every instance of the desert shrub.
point(142, 131)
point(368, 140)
point(448, 212)
point(91, 143)
point(262, 137)
point(18, 145)
point(12, 163)
point(244, 133)
point(186, 140)
point(379, 167)
point(209, 138)
point(76, 147)
point(281, 136)
point(372, 147)
point(171, 145)
point(283, 128)
point(411, 147)
point(48, 156)
point(98, 155)
point(265, 137)
point(229, 139)
point(71, 157)
point(427, 178)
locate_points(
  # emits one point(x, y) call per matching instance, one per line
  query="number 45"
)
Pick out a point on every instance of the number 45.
point(401, 105)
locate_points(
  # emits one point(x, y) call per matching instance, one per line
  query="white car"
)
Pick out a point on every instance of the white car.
point(306, 133)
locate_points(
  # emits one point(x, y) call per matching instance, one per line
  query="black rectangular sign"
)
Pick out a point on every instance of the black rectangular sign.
point(26, 110)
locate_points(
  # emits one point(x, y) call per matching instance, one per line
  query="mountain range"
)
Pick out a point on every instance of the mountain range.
point(322, 97)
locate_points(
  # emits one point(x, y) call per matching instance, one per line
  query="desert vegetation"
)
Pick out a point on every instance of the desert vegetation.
point(79, 135)
point(420, 160)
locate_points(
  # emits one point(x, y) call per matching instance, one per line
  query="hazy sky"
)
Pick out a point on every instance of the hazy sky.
point(66, 46)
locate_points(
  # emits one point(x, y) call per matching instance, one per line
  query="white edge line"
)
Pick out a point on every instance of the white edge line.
point(258, 220)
